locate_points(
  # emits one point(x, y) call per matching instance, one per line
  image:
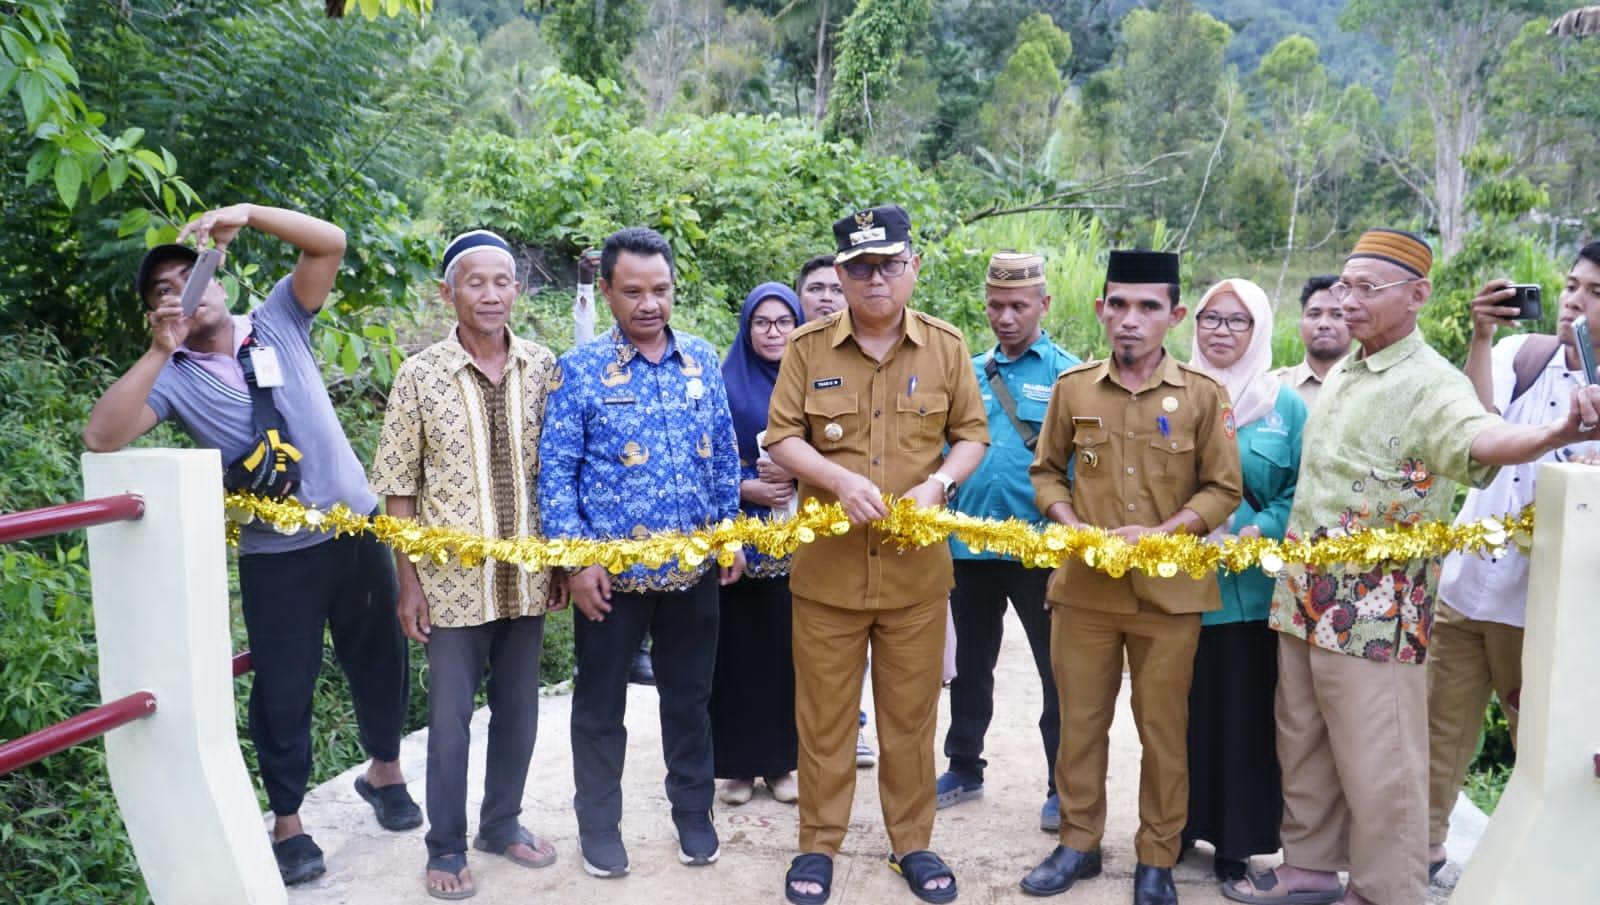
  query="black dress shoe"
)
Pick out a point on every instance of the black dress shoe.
point(1057, 873)
point(1153, 886)
point(642, 670)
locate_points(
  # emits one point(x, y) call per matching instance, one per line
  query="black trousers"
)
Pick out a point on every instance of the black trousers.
point(683, 626)
point(978, 609)
point(752, 695)
point(457, 657)
point(348, 585)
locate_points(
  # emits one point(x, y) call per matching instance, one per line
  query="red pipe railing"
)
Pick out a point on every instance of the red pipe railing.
point(91, 724)
point(17, 526)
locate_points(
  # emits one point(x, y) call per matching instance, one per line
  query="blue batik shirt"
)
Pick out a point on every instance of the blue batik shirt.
point(1000, 488)
point(632, 447)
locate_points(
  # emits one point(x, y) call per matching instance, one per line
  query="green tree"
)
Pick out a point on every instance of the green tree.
point(871, 48)
point(594, 37)
point(1451, 50)
point(1174, 96)
point(1308, 129)
point(1020, 116)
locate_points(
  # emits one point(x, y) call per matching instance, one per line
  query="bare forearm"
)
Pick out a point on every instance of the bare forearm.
point(1513, 444)
point(1480, 368)
point(122, 414)
point(963, 459)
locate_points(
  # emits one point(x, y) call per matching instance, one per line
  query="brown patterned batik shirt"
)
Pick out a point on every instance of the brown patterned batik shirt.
point(467, 449)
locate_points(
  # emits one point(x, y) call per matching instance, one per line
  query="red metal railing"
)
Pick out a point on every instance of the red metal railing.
point(17, 526)
point(92, 724)
point(36, 746)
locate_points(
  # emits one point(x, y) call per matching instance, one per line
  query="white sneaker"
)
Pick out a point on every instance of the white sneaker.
point(736, 791)
point(865, 756)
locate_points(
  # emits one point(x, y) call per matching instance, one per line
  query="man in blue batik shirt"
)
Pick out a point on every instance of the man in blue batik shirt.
point(1016, 377)
point(638, 440)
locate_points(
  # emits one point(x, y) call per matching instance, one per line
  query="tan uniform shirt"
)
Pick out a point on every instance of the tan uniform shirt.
point(1302, 380)
point(1138, 458)
point(888, 420)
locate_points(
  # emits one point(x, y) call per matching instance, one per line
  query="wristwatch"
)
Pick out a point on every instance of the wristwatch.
point(947, 482)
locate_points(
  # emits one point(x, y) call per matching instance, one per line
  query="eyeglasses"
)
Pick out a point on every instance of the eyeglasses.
point(766, 324)
point(862, 270)
point(1342, 290)
point(1236, 323)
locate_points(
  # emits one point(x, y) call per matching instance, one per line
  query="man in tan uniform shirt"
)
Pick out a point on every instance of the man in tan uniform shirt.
point(866, 401)
point(1153, 450)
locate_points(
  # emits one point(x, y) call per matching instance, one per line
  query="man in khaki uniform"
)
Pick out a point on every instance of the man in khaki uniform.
point(1152, 444)
point(866, 401)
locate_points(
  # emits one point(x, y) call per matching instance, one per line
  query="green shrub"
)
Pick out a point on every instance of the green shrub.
point(61, 836)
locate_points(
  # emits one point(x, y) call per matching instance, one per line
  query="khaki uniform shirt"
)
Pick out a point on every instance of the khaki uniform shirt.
point(1138, 458)
point(435, 446)
point(888, 420)
point(1302, 380)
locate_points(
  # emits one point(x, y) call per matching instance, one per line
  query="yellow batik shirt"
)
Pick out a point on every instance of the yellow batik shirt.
point(473, 465)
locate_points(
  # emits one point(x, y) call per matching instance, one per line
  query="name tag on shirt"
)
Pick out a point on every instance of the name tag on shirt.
point(827, 383)
point(265, 361)
point(618, 400)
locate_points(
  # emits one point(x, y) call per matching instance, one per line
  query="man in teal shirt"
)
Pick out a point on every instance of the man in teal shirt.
point(1015, 377)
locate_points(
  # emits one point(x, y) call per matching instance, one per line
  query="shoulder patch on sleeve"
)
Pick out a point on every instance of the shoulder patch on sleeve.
point(1229, 427)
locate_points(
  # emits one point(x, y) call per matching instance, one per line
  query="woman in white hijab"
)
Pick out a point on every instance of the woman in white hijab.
point(1235, 789)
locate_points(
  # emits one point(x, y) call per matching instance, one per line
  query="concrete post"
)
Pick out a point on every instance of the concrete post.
point(1540, 843)
point(161, 621)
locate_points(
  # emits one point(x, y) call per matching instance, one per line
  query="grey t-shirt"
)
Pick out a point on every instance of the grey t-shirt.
point(218, 416)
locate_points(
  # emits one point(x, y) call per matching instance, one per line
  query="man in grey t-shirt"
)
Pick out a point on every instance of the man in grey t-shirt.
point(292, 585)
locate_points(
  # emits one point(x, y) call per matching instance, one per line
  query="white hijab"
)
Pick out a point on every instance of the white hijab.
point(1249, 380)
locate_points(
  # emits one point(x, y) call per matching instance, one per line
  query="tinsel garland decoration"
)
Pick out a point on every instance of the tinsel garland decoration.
point(907, 525)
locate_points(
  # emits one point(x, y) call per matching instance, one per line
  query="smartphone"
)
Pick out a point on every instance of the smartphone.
point(1527, 301)
point(1585, 344)
point(205, 267)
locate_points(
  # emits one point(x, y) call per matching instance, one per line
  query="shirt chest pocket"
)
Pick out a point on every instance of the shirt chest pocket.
point(1090, 447)
point(833, 420)
point(1274, 451)
point(1170, 458)
point(920, 420)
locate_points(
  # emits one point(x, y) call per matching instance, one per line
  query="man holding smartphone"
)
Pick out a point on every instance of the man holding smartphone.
point(292, 585)
point(1478, 621)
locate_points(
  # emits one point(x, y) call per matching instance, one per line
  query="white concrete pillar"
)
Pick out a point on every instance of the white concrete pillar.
point(161, 623)
point(1540, 845)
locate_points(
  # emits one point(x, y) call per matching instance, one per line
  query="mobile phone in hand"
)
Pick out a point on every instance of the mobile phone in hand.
point(1585, 343)
point(205, 267)
point(1528, 301)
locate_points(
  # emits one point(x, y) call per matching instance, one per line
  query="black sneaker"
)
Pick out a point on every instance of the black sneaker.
point(642, 670)
point(603, 854)
point(299, 859)
point(697, 838)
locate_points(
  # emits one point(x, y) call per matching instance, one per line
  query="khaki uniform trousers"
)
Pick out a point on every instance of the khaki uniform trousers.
point(830, 656)
point(1467, 659)
point(1086, 653)
point(1353, 742)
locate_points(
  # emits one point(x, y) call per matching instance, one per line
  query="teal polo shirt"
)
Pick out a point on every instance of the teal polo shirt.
point(1000, 488)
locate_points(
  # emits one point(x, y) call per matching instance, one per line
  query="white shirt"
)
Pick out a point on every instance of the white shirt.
point(1496, 589)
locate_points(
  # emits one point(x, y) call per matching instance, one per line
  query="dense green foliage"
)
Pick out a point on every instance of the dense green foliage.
point(1253, 136)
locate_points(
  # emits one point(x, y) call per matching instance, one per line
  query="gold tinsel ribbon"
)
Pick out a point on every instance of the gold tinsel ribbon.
point(907, 525)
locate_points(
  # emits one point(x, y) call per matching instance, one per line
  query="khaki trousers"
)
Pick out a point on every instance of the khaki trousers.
point(1353, 742)
point(1086, 653)
point(1467, 659)
point(830, 655)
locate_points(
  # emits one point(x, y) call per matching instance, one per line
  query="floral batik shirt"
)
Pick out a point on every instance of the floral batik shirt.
point(1384, 446)
point(632, 448)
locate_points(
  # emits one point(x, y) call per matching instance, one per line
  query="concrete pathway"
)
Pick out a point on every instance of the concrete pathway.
point(991, 842)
